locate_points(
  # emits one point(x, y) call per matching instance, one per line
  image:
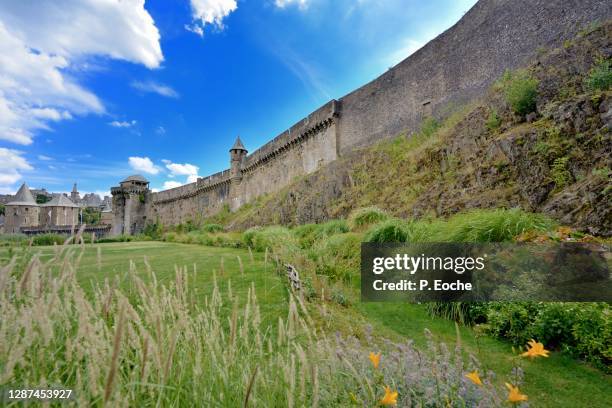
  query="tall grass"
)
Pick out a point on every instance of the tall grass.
point(159, 345)
point(274, 238)
point(364, 217)
point(308, 234)
point(473, 226)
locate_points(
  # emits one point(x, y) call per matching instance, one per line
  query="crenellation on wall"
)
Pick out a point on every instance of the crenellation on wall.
point(307, 127)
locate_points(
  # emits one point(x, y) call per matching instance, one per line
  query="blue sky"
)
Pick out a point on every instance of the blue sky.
point(92, 91)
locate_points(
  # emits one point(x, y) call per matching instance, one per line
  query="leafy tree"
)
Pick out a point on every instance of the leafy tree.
point(91, 215)
point(41, 199)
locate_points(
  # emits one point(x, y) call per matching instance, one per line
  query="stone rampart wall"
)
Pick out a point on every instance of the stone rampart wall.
point(454, 68)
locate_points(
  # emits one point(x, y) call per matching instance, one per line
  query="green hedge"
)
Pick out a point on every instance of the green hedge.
point(580, 329)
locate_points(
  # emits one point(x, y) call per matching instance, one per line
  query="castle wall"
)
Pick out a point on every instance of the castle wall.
point(454, 68)
point(191, 201)
point(458, 65)
point(305, 147)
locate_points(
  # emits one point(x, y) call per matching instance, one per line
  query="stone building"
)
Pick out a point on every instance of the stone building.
point(21, 212)
point(130, 202)
point(106, 215)
point(60, 211)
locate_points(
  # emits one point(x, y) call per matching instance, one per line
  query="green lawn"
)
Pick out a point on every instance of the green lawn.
point(202, 263)
point(558, 381)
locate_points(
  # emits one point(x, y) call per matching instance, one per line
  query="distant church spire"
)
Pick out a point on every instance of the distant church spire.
point(74, 195)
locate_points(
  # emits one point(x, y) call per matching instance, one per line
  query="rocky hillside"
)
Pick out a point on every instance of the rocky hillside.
point(549, 153)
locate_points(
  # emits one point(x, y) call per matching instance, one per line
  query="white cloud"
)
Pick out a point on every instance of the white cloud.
point(185, 169)
point(210, 12)
point(11, 162)
point(117, 29)
point(123, 124)
point(177, 169)
point(143, 164)
point(302, 4)
point(154, 87)
point(41, 43)
point(44, 158)
point(171, 184)
point(160, 130)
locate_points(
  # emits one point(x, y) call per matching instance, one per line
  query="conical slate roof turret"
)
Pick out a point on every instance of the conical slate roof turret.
point(23, 197)
point(238, 145)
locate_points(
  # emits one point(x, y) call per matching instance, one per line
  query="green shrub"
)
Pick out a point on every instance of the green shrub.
point(13, 239)
point(153, 230)
point(48, 239)
point(367, 216)
point(560, 173)
point(274, 238)
point(553, 324)
point(169, 236)
point(580, 329)
point(592, 332)
point(600, 77)
point(248, 236)
point(512, 321)
point(212, 228)
point(520, 90)
point(306, 234)
point(493, 121)
point(227, 240)
point(392, 230)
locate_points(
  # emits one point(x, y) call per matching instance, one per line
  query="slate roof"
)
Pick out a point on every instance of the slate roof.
point(23, 197)
point(59, 200)
point(238, 145)
point(136, 177)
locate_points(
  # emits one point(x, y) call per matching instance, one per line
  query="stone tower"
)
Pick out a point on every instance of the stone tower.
point(238, 155)
point(130, 202)
point(21, 212)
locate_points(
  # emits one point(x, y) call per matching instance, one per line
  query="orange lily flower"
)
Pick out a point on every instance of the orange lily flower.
point(514, 394)
point(375, 359)
point(536, 350)
point(474, 377)
point(390, 398)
